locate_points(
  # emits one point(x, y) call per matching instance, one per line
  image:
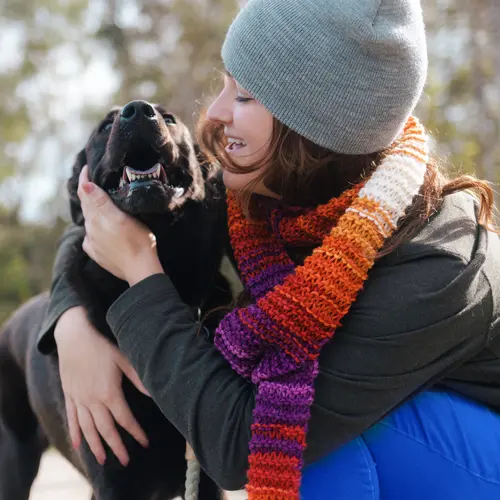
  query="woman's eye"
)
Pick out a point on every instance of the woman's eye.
point(243, 99)
point(106, 126)
point(169, 119)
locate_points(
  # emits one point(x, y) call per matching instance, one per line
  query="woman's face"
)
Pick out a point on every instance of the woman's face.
point(248, 127)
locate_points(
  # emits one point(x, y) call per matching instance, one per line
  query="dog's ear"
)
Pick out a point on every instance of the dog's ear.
point(206, 166)
point(74, 201)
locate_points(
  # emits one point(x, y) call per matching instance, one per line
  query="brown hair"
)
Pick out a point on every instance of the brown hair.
point(303, 173)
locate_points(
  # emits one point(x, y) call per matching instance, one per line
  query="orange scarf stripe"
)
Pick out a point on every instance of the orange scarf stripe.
point(286, 463)
point(317, 262)
point(261, 493)
point(374, 210)
point(325, 323)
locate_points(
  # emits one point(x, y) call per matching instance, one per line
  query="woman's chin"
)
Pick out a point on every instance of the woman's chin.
point(240, 182)
point(234, 182)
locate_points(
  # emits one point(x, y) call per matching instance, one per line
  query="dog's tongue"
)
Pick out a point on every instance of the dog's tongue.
point(152, 170)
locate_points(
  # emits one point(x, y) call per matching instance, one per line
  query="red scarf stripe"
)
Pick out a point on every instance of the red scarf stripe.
point(303, 343)
point(274, 334)
point(311, 227)
point(281, 431)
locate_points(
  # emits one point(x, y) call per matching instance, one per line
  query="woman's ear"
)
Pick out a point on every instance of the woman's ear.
point(74, 201)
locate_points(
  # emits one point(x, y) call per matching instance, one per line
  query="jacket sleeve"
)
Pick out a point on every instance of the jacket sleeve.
point(413, 323)
point(62, 296)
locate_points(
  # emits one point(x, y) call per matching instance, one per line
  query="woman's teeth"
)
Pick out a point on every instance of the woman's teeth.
point(235, 144)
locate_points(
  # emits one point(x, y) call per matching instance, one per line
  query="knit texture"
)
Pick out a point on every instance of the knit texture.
point(275, 342)
point(346, 74)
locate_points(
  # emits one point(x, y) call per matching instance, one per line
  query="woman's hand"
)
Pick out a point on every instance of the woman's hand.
point(91, 370)
point(116, 241)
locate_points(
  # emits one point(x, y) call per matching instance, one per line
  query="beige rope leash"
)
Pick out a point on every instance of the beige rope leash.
point(192, 474)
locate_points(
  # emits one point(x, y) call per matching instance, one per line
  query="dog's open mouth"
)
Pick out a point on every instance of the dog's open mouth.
point(133, 176)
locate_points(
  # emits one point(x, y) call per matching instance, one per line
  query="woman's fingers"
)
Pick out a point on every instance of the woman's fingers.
point(90, 432)
point(73, 425)
point(123, 415)
point(107, 429)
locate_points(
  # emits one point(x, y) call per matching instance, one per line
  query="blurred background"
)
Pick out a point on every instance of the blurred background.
point(63, 63)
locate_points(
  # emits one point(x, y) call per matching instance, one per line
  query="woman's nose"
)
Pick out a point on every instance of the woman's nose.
point(220, 111)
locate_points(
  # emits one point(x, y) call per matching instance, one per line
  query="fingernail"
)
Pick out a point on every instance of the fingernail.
point(88, 187)
point(125, 462)
point(145, 443)
point(102, 460)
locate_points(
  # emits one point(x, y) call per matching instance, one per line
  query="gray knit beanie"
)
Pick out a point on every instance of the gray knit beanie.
point(346, 74)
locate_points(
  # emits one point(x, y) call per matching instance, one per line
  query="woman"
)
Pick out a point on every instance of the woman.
point(375, 369)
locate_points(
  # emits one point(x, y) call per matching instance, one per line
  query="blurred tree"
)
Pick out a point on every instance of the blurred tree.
point(26, 256)
point(171, 52)
point(64, 62)
point(462, 102)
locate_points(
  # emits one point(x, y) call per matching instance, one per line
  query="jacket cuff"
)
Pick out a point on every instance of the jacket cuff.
point(62, 298)
point(129, 307)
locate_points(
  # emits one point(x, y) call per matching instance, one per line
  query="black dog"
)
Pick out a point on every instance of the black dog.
point(145, 158)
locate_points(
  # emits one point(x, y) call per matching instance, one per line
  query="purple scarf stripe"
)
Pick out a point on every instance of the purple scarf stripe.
point(268, 445)
point(264, 414)
point(263, 282)
point(300, 393)
point(252, 260)
point(238, 344)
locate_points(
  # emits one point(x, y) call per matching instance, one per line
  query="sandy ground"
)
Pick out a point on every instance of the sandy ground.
point(58, 480)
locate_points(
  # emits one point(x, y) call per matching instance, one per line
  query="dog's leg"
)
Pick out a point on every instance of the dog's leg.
point(21, 441)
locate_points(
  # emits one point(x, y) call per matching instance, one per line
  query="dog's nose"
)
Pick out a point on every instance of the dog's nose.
point(138, 109)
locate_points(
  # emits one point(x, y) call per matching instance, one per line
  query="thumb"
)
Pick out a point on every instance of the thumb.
point(90, 193)
point(131, 374)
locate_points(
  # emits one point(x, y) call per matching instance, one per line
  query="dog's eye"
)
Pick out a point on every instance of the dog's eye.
point(169, 119)
point(106, 126)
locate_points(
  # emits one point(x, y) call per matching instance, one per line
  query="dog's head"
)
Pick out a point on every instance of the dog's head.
point(144, 157)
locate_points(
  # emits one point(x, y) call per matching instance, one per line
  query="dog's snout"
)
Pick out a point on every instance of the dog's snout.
point(137, 110)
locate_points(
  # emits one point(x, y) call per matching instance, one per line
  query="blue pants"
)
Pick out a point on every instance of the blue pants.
point(438, 446)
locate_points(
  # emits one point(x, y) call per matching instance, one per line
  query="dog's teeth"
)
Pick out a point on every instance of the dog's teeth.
point(129, 174)
point(122, 182)
point(178, 192)
point(156, 173)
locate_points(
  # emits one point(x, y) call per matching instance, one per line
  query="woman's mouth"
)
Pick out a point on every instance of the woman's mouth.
point(234, 144)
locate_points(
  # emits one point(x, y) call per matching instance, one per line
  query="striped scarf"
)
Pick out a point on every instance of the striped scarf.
point(276, 341)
